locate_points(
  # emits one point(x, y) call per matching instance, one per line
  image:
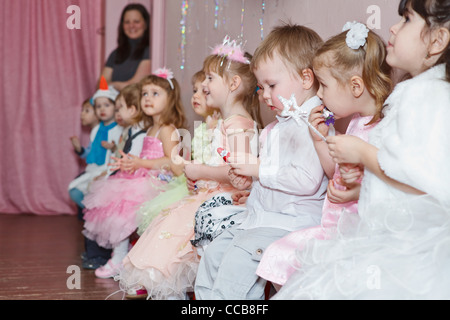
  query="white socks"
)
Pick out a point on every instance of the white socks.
point(120, 252)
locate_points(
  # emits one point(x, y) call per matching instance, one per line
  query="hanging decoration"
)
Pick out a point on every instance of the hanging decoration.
point(242, 19)
point(216, 14)
point(261, 20)
point(184, 9)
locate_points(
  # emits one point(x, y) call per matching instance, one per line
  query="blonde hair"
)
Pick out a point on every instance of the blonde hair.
point(228, 68)
point(296, 45)
point(132, 96)
point(199, 76)
point(174, 112)
point(343, 62)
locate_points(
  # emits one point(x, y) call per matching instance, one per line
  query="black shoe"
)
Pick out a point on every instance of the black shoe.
point(94, 263)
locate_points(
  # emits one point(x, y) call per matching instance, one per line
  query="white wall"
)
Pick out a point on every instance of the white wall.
point(327, 17)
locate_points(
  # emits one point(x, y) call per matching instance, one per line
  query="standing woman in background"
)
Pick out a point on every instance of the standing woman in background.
point(131, 61)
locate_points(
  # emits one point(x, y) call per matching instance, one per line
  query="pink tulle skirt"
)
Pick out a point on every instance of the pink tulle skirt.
point(111, 205)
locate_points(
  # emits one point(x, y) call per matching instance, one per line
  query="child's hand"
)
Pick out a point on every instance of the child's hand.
point(238, 181)
point(350, 173)
point(346, 149)
point(240, 197)
point(335, 195)
point(244, 164)
point(211, 121)
point(317, 121)
point(129, 163)
point(115, 165)
point(109, 145)
point(191, 185)
point(76, 143)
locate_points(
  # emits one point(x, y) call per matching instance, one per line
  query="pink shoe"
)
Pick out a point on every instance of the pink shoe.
point(109, 270)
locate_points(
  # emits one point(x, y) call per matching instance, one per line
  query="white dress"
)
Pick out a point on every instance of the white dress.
point(398, 247)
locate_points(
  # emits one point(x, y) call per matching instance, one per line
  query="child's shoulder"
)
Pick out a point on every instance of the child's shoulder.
point(433, 79)
point(238, 121)
point(166, 131)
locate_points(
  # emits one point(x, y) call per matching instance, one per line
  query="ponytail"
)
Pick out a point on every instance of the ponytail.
point(376, 73)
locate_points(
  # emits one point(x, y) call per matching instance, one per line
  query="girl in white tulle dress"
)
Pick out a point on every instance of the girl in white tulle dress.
point(397, 247)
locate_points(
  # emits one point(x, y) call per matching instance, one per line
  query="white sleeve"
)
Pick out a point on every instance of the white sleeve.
point(417, 151)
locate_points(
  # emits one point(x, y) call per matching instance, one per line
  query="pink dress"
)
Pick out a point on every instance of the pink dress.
point(279, 260)
point(164, 260)
point(111, 205)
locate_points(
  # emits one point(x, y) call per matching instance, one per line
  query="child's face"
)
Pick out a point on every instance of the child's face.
point(120, 121)
point(154, 100)
point(407, 47)
point(198, 101)
point(88, 116)
point(275, 79)
point(105, 110)
point(216, 90)
point(125, 113)
point(336, 97)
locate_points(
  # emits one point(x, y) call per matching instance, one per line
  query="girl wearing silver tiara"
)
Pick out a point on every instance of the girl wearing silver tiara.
point(163, 263)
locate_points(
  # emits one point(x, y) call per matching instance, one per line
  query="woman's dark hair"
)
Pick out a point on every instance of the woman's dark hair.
point(436, 13)
point(123, 48)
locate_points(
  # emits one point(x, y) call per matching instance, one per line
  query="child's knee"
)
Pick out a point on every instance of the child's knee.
point(77, 196)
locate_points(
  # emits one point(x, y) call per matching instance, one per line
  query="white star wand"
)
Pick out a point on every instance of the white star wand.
point(297, 113)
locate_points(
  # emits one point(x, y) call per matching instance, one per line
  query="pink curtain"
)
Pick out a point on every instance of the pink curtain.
point(46, 71)
point(158, 36)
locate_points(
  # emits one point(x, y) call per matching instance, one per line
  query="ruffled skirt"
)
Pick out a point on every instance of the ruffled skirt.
point(172, 192)
point(111, 205)
point(397, 250)
point(163, 260)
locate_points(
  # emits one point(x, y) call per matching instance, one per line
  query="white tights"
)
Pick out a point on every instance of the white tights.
point(120, 252)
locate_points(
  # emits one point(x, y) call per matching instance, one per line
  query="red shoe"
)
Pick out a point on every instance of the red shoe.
point(138, 292)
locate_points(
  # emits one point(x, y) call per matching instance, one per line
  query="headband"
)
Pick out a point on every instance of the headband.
point(231, 51)
point(165, 74)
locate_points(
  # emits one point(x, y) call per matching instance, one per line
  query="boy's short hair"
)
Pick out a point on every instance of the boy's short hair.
point(295, 44)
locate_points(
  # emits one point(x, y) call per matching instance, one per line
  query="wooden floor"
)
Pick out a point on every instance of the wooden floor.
point(36, 254)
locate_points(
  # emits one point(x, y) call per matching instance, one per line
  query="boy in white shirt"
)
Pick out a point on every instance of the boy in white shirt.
point(289, 182)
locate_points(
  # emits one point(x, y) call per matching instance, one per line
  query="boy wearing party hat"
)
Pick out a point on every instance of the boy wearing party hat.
point(106, 131)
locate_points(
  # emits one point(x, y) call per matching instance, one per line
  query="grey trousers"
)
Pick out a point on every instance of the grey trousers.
point(227, 268)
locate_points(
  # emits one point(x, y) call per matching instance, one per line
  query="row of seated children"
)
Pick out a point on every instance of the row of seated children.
point(195, 234)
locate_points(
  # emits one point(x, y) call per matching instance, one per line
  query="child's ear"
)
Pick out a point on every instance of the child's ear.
point(307, 78)
point(357, 86)
point(235, 83)
point(439, 41)
point(135, 109)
